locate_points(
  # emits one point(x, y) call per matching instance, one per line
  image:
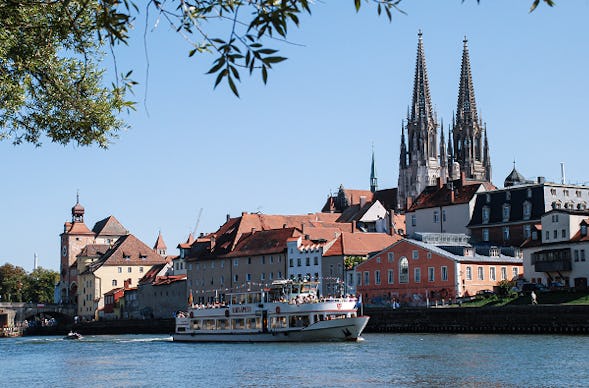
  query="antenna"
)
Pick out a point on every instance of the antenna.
point(197, 222)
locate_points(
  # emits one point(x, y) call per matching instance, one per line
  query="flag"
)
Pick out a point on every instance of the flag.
point(190, 298)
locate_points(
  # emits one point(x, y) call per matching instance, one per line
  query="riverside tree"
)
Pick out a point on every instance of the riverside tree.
point(52, 78)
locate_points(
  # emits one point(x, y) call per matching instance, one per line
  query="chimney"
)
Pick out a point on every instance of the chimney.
point(541, 179)
point(228, 217)
point(362, 201)
point(563, 178)
point(243, 213)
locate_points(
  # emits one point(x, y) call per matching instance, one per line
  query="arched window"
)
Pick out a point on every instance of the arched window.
point(403, 270)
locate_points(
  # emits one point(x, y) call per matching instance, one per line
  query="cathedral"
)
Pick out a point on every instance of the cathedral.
point(423, 158)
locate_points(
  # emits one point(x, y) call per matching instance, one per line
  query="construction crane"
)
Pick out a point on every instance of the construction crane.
point(197, 222)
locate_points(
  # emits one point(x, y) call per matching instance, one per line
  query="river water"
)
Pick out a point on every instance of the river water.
point(400, 360)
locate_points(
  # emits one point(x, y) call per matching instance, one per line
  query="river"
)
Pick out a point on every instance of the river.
point(399, 360)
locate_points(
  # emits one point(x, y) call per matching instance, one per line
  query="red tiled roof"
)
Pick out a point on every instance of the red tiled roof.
point(77, 228)
point(360, 243)
point(159, 243)
point(263, 242)
point(109, 226)
point(434, 196)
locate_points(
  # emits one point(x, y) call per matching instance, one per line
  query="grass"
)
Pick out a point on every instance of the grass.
point(552, 297)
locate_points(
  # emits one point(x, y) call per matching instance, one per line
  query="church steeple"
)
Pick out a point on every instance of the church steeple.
point(421, 107)
point(467, 107)
point(373, 178)
point(78, 210)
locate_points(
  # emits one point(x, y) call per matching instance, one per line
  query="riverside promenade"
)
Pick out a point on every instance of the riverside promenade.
point(541, 319)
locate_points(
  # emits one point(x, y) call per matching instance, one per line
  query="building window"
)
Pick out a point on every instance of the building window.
point(377, 277)
point(291, 263)
point(114, 282)
point(235, 278)
point(582, 254)
point(515, 272)
point(390, 276)
point(527, 210)
point(564, 233)
point(555, 218)
point(443, 215)
point(488, 198)
point(486, 214)
point(403, 270)
point(436, 216)
point(485, 234)
point(417, 275)
point(555, 233)
point(140, 269)
point(298, 261)
point(413, 220)
point(235, 262)
point(529, 193)
point(315, 260)
point(378, 259)
point(431, 274)
point(120, 269)
point(129, 269)
point(391, 257)
point(248, 277)
point(444, 273)
point(527, 231)
point(576, 255)
point(366, 278)
point(547, 235)
point(503, 273)
point(492, 273)
point(429, 255)
point(506, 212)
point(507, 195)
point(279, 274)
point(263, 276)
point(481, 273)
point(308, 261)
point(249, 260)
point(506, 233)
point(415, 254)
point(468, 273)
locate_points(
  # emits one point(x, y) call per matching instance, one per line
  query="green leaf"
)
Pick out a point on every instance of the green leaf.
point(232, 86)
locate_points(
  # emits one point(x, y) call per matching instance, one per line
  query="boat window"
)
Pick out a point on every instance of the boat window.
point(278, 322)
point(208, 324)
point(222, 324)
point(196, 324)
point(238, 323)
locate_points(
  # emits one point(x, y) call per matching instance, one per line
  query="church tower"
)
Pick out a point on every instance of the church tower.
point(74, 238)
point(471, 148)
point(418, 163)
point(373, 178)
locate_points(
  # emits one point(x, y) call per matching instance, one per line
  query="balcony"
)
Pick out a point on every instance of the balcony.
point(552, 260)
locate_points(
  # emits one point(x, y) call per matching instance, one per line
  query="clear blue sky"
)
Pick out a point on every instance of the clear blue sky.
point(283, 147)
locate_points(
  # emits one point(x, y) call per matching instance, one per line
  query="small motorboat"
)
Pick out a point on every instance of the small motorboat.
point(72, 335)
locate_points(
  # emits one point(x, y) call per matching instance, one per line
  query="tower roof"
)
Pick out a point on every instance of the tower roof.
point(467, 107)
point(159, 243)
point(421, 109)
point(514, 178)
point(109, 226)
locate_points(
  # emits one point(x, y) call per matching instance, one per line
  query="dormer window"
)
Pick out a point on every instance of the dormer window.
point(527, 210)
point(583, 229)
point(529, 193)
point(486, 214)
point(506, 212)
point(488, 198)
point(126, 256)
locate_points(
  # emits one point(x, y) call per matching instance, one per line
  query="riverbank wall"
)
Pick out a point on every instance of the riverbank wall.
point(544, 319)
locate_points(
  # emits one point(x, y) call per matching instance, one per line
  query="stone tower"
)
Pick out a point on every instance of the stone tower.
point(74, 238)
point(419, 165)
point(471, 148)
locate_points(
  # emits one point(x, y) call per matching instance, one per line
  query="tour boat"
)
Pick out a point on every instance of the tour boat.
point(287, 311)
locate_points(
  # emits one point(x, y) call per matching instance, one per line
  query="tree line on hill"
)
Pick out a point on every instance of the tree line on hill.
point(16, 285)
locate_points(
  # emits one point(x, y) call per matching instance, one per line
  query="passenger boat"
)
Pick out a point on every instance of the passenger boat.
point(287, 311)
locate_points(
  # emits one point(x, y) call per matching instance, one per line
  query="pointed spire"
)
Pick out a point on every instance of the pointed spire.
point(373, 178)
point(403, 153)
point(421, 110)
point(160, 246)
point(467, 109)
point(443, 154)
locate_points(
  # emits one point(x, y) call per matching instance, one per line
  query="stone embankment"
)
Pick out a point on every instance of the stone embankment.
point(540, 319)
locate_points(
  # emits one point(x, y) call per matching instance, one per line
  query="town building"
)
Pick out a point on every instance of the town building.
point(445, 208)
point(507, 216)
point(161, 292)
point(103, 267)
point(422, 158)
point(433, 269)
point(558, 250)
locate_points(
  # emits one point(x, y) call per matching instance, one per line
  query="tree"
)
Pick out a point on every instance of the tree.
point(41, 286)
point(13, 280)
point(52, 81)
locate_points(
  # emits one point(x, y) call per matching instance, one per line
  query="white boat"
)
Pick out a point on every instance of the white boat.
point(72, 335)
point(288, 311)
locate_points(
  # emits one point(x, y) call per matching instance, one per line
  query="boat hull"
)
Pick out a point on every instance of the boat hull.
point(347, 329)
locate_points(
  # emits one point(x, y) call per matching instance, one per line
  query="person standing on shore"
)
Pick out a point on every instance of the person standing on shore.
point(533, 296)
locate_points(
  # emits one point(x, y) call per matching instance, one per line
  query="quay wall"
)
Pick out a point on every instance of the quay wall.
point(544, 319)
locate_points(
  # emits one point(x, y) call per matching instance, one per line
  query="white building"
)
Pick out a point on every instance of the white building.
point(559, 249)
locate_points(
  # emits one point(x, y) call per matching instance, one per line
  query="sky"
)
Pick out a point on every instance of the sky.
point(282, 148)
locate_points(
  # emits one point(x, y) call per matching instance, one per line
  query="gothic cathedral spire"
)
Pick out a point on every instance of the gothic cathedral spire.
point(419, 166)
point(469, 137)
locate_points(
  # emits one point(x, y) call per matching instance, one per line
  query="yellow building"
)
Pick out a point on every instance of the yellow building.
point(102, 267)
